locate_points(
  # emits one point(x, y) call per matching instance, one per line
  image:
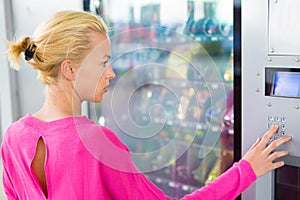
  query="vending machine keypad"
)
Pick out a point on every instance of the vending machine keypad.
point(281, 122)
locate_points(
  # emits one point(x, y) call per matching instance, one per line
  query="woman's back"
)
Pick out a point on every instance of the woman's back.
point(69, 171)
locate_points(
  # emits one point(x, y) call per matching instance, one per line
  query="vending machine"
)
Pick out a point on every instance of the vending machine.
point(271, 89)
point(171, 102)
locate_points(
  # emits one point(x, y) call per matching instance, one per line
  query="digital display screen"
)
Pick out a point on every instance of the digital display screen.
point(286, 84)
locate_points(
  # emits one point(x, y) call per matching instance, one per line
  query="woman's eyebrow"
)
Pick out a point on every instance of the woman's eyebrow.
point(107, 56)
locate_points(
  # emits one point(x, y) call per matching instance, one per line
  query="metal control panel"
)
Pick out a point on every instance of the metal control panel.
point(281, 122)
point(270, 80)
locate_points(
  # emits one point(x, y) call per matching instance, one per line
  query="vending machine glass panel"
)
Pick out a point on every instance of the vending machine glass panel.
point(171, 102)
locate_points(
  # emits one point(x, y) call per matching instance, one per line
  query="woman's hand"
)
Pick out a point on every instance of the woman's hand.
point(261, 156)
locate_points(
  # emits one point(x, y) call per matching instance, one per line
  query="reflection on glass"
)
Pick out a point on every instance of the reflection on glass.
point(172, 99)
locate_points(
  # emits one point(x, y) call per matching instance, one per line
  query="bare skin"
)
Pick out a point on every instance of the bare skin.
point(37, 165)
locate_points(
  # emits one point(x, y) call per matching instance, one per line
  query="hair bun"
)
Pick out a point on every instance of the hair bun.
point(29, 54)
point(30, 48)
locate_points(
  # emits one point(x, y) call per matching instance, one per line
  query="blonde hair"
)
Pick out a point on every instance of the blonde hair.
point(64, 36)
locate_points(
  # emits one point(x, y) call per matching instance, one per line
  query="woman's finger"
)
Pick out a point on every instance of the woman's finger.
point(276, 143)
point(268, 135)
point(256, 143)
point(278, 164)
point(273, 156)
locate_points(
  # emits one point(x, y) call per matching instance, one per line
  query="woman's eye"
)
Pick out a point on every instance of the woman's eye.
point(105, 63)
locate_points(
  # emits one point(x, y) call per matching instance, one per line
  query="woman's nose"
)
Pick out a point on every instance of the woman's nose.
point(110, 73)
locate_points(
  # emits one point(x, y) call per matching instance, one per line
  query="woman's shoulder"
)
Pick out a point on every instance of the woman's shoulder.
point(91, 133)
point(17, 126)
point(105, 146)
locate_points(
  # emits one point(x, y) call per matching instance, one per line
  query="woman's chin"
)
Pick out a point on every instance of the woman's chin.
point(97, 100)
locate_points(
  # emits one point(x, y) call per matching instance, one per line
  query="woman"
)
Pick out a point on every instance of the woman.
point(56, 153)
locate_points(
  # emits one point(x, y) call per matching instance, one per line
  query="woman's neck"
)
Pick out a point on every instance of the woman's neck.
point(59, 103)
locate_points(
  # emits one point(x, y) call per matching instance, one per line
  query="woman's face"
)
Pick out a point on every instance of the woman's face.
point(94, 73)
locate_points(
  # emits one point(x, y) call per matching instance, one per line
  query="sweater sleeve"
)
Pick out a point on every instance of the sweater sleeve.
point(6, 180)
point(229, 185)
point(128, 183)
point(136, 186)
point(124, 185)
point(8, 187)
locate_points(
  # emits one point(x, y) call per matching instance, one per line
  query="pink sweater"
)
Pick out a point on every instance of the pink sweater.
point(85, 161)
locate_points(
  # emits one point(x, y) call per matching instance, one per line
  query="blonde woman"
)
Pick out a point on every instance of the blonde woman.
point(56, 153)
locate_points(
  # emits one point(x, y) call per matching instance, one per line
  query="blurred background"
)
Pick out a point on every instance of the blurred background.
point(172, 100)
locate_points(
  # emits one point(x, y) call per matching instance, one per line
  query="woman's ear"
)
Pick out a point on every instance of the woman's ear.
point(68, 70)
